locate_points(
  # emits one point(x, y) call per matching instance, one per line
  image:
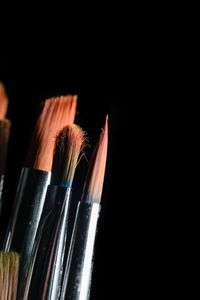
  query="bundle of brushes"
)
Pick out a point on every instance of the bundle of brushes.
point(55, 263)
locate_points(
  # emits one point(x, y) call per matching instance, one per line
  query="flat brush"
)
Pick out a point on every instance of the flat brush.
point(35, 177)
point(57, 113)
point(9, 266)
point(77, 277)
point(4, 136)
point(49, 248)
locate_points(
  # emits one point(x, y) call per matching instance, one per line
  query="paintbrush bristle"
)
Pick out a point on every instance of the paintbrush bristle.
point(3, 101)
point(9, 266)
point(95, 177)
point(4, 136)
point(57, 113)
point(69, 143)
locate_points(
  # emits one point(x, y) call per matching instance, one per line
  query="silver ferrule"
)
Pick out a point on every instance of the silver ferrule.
point(27, 209)
point(25, 272)
point(77, 277)
point(46, 266)
point(1, 190)
point(55, 280)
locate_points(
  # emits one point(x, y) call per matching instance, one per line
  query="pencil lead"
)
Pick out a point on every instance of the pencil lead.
point(95, 177)
point(69, 143)
point(56, 113)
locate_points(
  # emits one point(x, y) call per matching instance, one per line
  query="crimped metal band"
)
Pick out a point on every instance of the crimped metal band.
point(77, 279)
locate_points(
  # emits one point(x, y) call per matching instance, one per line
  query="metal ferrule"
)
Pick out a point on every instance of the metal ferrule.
point(25, 272)
point(57, 255)
point(1, 190)
point(77, 277)
point(45, 272)
point(28, 202)
point(27, 209)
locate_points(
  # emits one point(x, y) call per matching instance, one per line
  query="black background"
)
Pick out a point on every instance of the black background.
point(31, 80)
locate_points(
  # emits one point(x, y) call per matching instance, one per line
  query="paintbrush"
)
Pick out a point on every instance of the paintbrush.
point(43, 279)
point(9, 266)
point(4, 136)
point(78, 271)
point(3, 101)
point(35, 177)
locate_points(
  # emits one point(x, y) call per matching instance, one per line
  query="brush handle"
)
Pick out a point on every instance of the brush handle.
point(47, 261)
point(78, 271)
point(1, 190)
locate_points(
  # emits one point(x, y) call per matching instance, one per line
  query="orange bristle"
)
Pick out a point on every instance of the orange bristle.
point(94, 182)
point(9, 266)
point(4, 137)
point(3, 101)
point(57, 113)
point(69, 143)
